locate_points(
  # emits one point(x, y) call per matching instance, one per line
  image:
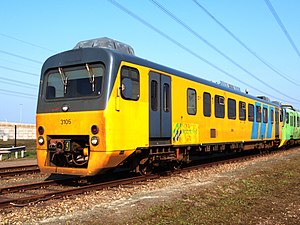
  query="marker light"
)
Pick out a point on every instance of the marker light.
point(65, 108)
point(41, 130)
point(41, 140)
point(95, 129)
point(94, 141)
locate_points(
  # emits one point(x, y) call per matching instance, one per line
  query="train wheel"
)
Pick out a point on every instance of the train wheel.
point(174, 165)
point(145, 167)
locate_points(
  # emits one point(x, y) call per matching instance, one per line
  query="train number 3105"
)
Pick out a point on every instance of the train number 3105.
point(65, 121)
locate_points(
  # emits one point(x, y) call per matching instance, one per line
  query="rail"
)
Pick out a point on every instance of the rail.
point(16, 150)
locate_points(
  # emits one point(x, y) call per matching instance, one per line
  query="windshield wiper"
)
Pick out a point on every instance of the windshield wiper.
point(91, 76)
point(64, 78)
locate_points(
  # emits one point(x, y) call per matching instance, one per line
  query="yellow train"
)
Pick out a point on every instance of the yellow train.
point(101, 107)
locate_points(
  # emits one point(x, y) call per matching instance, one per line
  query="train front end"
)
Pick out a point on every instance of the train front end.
point(74, 90)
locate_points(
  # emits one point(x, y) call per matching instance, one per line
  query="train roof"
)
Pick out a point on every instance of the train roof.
point(156, 66)
point(118, 56)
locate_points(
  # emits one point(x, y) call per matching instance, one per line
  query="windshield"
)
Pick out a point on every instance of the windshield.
point(73, 82)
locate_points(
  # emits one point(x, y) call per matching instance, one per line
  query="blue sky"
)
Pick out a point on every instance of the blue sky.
point(33, 30)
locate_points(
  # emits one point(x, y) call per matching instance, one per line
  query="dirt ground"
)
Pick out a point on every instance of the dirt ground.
point(260, 191)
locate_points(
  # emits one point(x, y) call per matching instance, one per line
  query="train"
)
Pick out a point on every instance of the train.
point(100, 107)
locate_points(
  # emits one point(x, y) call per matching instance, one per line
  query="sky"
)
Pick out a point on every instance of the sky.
point(252, 44)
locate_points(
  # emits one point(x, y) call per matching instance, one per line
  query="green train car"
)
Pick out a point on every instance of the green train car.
point(291, 126)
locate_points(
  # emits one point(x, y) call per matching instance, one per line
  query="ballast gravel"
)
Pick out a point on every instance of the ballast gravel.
point(118, 205)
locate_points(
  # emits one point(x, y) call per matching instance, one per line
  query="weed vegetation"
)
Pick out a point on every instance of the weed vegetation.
point(265, 195)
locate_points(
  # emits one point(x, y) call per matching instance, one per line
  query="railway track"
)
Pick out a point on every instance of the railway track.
point(18, 170)
point(73, 186)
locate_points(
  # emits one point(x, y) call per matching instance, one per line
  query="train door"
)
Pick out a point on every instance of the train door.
point(160, 109)
point(276, 123)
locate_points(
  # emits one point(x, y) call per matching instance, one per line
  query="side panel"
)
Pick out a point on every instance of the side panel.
point(126, 120)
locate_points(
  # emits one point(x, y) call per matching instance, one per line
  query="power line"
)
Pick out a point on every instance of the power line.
point(19, 71)
point(15, 82)
point(245, 46)
point(130, 13)
point(21, 57)
point(26, 42)
point(18, 94)
point(279, 22)
point(176, 19)
point(19, 64)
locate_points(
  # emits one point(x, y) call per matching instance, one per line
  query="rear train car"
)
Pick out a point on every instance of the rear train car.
point(291, 126)
point(101, 108)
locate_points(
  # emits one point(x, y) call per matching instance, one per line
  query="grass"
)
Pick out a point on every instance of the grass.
point(30, 148)
point(268, 195)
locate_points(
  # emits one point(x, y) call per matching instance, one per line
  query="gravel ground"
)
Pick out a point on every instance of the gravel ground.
point(118, 205)
point(18, 162)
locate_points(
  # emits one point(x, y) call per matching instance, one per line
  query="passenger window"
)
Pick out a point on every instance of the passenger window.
point(206, 104)
point(219, 106)
point(250, 112)
point(258, 114)
point(154, 95)
point(292, 121)
point(287, 118)
point(191, 101)
point(166, 98)
point(272, 115)
point(231, 109)
point(276, 116)
point(242, 110)
point(265, 115)
point(130, 81)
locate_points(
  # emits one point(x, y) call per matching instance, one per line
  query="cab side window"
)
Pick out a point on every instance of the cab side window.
point(191, 101)
point(130, 83)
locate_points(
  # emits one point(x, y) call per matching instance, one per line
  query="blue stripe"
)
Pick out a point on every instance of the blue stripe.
point(263, 125)
point(255, 125)
point(270, 125)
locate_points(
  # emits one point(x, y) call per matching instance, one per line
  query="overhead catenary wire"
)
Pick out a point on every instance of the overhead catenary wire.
point(12, 81)
point(130, 13)
point(21, 57)
point(245, 46)
point(26, 42)
point(197, 35)
point(25, 64)
point(19, 71)
point(283, 28)
point(18, 94)
point(17, 84)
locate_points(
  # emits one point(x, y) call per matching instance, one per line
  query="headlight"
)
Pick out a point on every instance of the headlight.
point(94, 141)
point(41, 140)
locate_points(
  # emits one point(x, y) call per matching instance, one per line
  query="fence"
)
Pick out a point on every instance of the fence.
point(11, 150)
